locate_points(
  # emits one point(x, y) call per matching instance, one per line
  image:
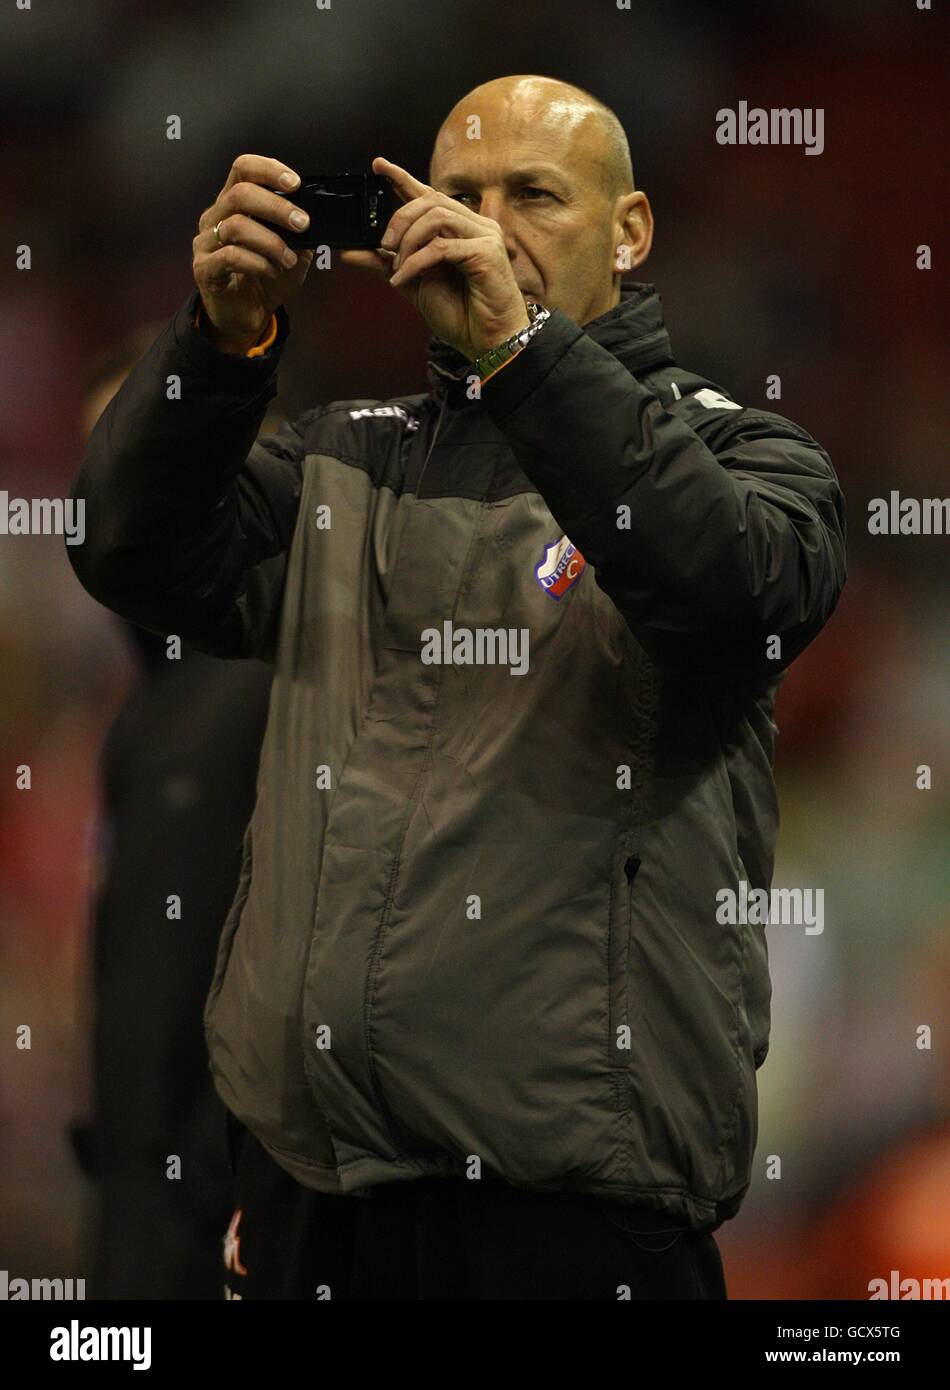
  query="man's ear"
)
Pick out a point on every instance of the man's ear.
point(634, 231)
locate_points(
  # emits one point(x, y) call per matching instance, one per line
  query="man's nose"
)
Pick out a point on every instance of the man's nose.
point(493, 205)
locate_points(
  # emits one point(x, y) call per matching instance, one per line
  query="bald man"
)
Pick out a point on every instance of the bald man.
point(489, 1003)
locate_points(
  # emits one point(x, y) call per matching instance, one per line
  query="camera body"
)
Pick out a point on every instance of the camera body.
point(348, 211)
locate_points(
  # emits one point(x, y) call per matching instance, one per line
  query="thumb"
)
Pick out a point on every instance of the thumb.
point(379, 262)
point(298, 273)
point(290, 280)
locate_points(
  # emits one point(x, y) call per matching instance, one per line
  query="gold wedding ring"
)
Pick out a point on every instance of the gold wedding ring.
point(215, 230)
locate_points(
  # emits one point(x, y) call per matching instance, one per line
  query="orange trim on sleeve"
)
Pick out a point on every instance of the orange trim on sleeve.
point(264, 342)
point(502, 367)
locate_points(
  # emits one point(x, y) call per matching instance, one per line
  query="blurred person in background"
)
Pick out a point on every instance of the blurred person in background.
point(591, 1039)
point(178, 785)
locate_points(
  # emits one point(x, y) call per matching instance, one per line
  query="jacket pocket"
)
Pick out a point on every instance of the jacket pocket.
point(487, 1036)
point(756, 985)
point(619, 926)
point(228, 931)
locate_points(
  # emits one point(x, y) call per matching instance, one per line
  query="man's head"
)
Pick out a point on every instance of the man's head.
point(549, 163)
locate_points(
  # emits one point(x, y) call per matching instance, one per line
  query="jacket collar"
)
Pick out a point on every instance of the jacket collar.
point(632, 330)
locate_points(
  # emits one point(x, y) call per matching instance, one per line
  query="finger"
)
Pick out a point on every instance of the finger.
point(257, 168)
point(240, 230)
point(405, 185)
point(436, 221)
point(409, 213)
point(439, 251)
point(253, 201)
point(404, 217)
point(215, 270)
point(379, 262)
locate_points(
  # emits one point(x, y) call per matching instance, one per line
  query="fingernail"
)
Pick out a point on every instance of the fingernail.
point(388, 241)
point(289, 259)
point(299, 219)
point(289, 179)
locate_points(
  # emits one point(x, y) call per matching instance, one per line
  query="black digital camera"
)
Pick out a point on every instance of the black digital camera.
point(348, 211)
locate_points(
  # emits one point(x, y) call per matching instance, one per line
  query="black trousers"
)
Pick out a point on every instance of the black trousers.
point(451, 1238)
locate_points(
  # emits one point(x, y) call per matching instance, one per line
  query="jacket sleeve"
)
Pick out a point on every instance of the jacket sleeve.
point(732, 526)
point(188, 515)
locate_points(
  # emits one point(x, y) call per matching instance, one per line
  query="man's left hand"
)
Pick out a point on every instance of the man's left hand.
point(450, 263)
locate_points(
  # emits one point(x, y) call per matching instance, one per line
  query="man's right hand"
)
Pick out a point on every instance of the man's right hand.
point(244, 280)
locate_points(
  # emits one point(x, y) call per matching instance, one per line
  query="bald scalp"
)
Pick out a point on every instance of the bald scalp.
point(550, 99)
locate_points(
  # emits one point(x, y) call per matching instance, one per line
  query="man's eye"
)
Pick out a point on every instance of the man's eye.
point(460, 197)
point(536, 193)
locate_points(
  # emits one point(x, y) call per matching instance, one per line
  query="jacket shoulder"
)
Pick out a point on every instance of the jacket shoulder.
point(715, 415)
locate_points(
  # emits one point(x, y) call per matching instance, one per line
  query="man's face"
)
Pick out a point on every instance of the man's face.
point(537, 171)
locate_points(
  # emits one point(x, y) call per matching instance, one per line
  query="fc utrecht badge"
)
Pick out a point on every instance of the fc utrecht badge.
point(561, 568)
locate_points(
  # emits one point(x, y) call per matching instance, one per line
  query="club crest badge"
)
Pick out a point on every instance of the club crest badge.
point(560, 569)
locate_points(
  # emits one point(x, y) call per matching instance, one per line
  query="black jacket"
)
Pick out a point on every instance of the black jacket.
point(477, 916)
